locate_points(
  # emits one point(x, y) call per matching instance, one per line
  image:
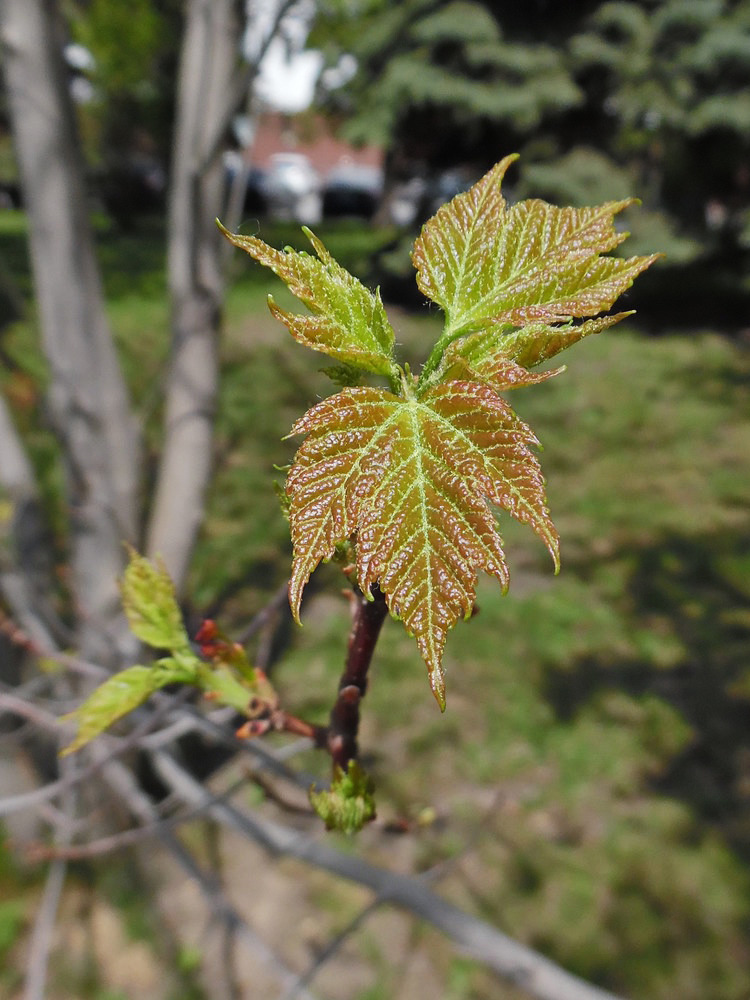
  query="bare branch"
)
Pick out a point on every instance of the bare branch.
point(27, 710)
point(331, 948)
point(41, 936)
point(122, 781)
point(514, 962)
point(30, 800)
point(265, 615)
point(125, 838)
point(44, 646)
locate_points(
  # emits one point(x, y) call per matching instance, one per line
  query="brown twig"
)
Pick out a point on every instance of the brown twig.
point(369, 616)
point(339, 737)
point(278, 721)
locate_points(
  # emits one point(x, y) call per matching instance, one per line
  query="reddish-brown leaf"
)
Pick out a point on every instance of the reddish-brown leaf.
point(412, 480)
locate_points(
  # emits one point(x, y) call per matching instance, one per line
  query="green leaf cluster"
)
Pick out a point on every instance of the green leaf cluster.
point(684, 65)
point(349, 804)
point(420, 55)
point(154, 616)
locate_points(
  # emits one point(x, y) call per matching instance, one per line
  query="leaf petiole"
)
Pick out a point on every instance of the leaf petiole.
point(432, 363)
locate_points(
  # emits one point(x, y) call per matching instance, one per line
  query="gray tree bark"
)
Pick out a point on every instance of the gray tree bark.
point(88, 402)
point(210, 56)
point(26, 560)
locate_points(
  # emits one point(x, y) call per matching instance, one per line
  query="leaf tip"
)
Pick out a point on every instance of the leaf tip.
point(437, 683)
point(295, 599)
point(439, 693)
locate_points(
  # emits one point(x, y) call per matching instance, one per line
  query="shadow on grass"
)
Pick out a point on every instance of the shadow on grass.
point(699, 588)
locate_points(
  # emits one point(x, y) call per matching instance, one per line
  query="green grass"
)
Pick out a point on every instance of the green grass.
point(594, 750)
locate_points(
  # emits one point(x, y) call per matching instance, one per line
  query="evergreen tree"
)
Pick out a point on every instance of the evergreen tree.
point(446, 82)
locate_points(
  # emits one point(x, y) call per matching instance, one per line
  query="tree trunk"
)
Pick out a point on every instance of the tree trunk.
point(88, 402)
point(26, 561)
point(207, 71)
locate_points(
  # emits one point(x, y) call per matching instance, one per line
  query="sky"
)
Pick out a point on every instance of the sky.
point(289, 72)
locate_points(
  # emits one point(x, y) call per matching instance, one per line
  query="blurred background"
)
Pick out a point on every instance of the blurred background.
point(588, 789)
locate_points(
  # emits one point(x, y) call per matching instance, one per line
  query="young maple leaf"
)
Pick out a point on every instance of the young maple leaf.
point(347, 321)
point(411, 473)
point(412, 478)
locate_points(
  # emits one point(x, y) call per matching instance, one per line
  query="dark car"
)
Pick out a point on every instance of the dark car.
point(252, 180)
point(132, 187)
point(352, 189)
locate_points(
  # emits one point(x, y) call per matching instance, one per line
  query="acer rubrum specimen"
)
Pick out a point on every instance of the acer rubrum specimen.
point(410, 473)
point(400, 480)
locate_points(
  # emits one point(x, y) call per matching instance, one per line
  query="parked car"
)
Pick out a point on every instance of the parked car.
point(134, 186)
point(253, 179)
point(10, 194)
point(352, 189)
point(292, 188)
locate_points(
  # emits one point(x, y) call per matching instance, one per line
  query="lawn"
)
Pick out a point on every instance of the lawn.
point(589, 784)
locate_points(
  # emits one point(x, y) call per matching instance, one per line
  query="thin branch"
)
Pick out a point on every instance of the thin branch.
point(10, 804)
point(19, 706)
point(331, 948)
point(430, 876)
point(125, 785)
point(43, 646)
point(41, 936)
point(512, 961)
point(272, 793)
point(369, 616)
point(125, 838)
point(265, 615)
point(115, 745)
point(238, 89)
point(272, 760)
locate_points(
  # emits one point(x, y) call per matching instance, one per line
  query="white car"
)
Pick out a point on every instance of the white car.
point(292, 188)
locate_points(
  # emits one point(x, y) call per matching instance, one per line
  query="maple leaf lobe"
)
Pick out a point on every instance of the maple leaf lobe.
point(346, 320)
